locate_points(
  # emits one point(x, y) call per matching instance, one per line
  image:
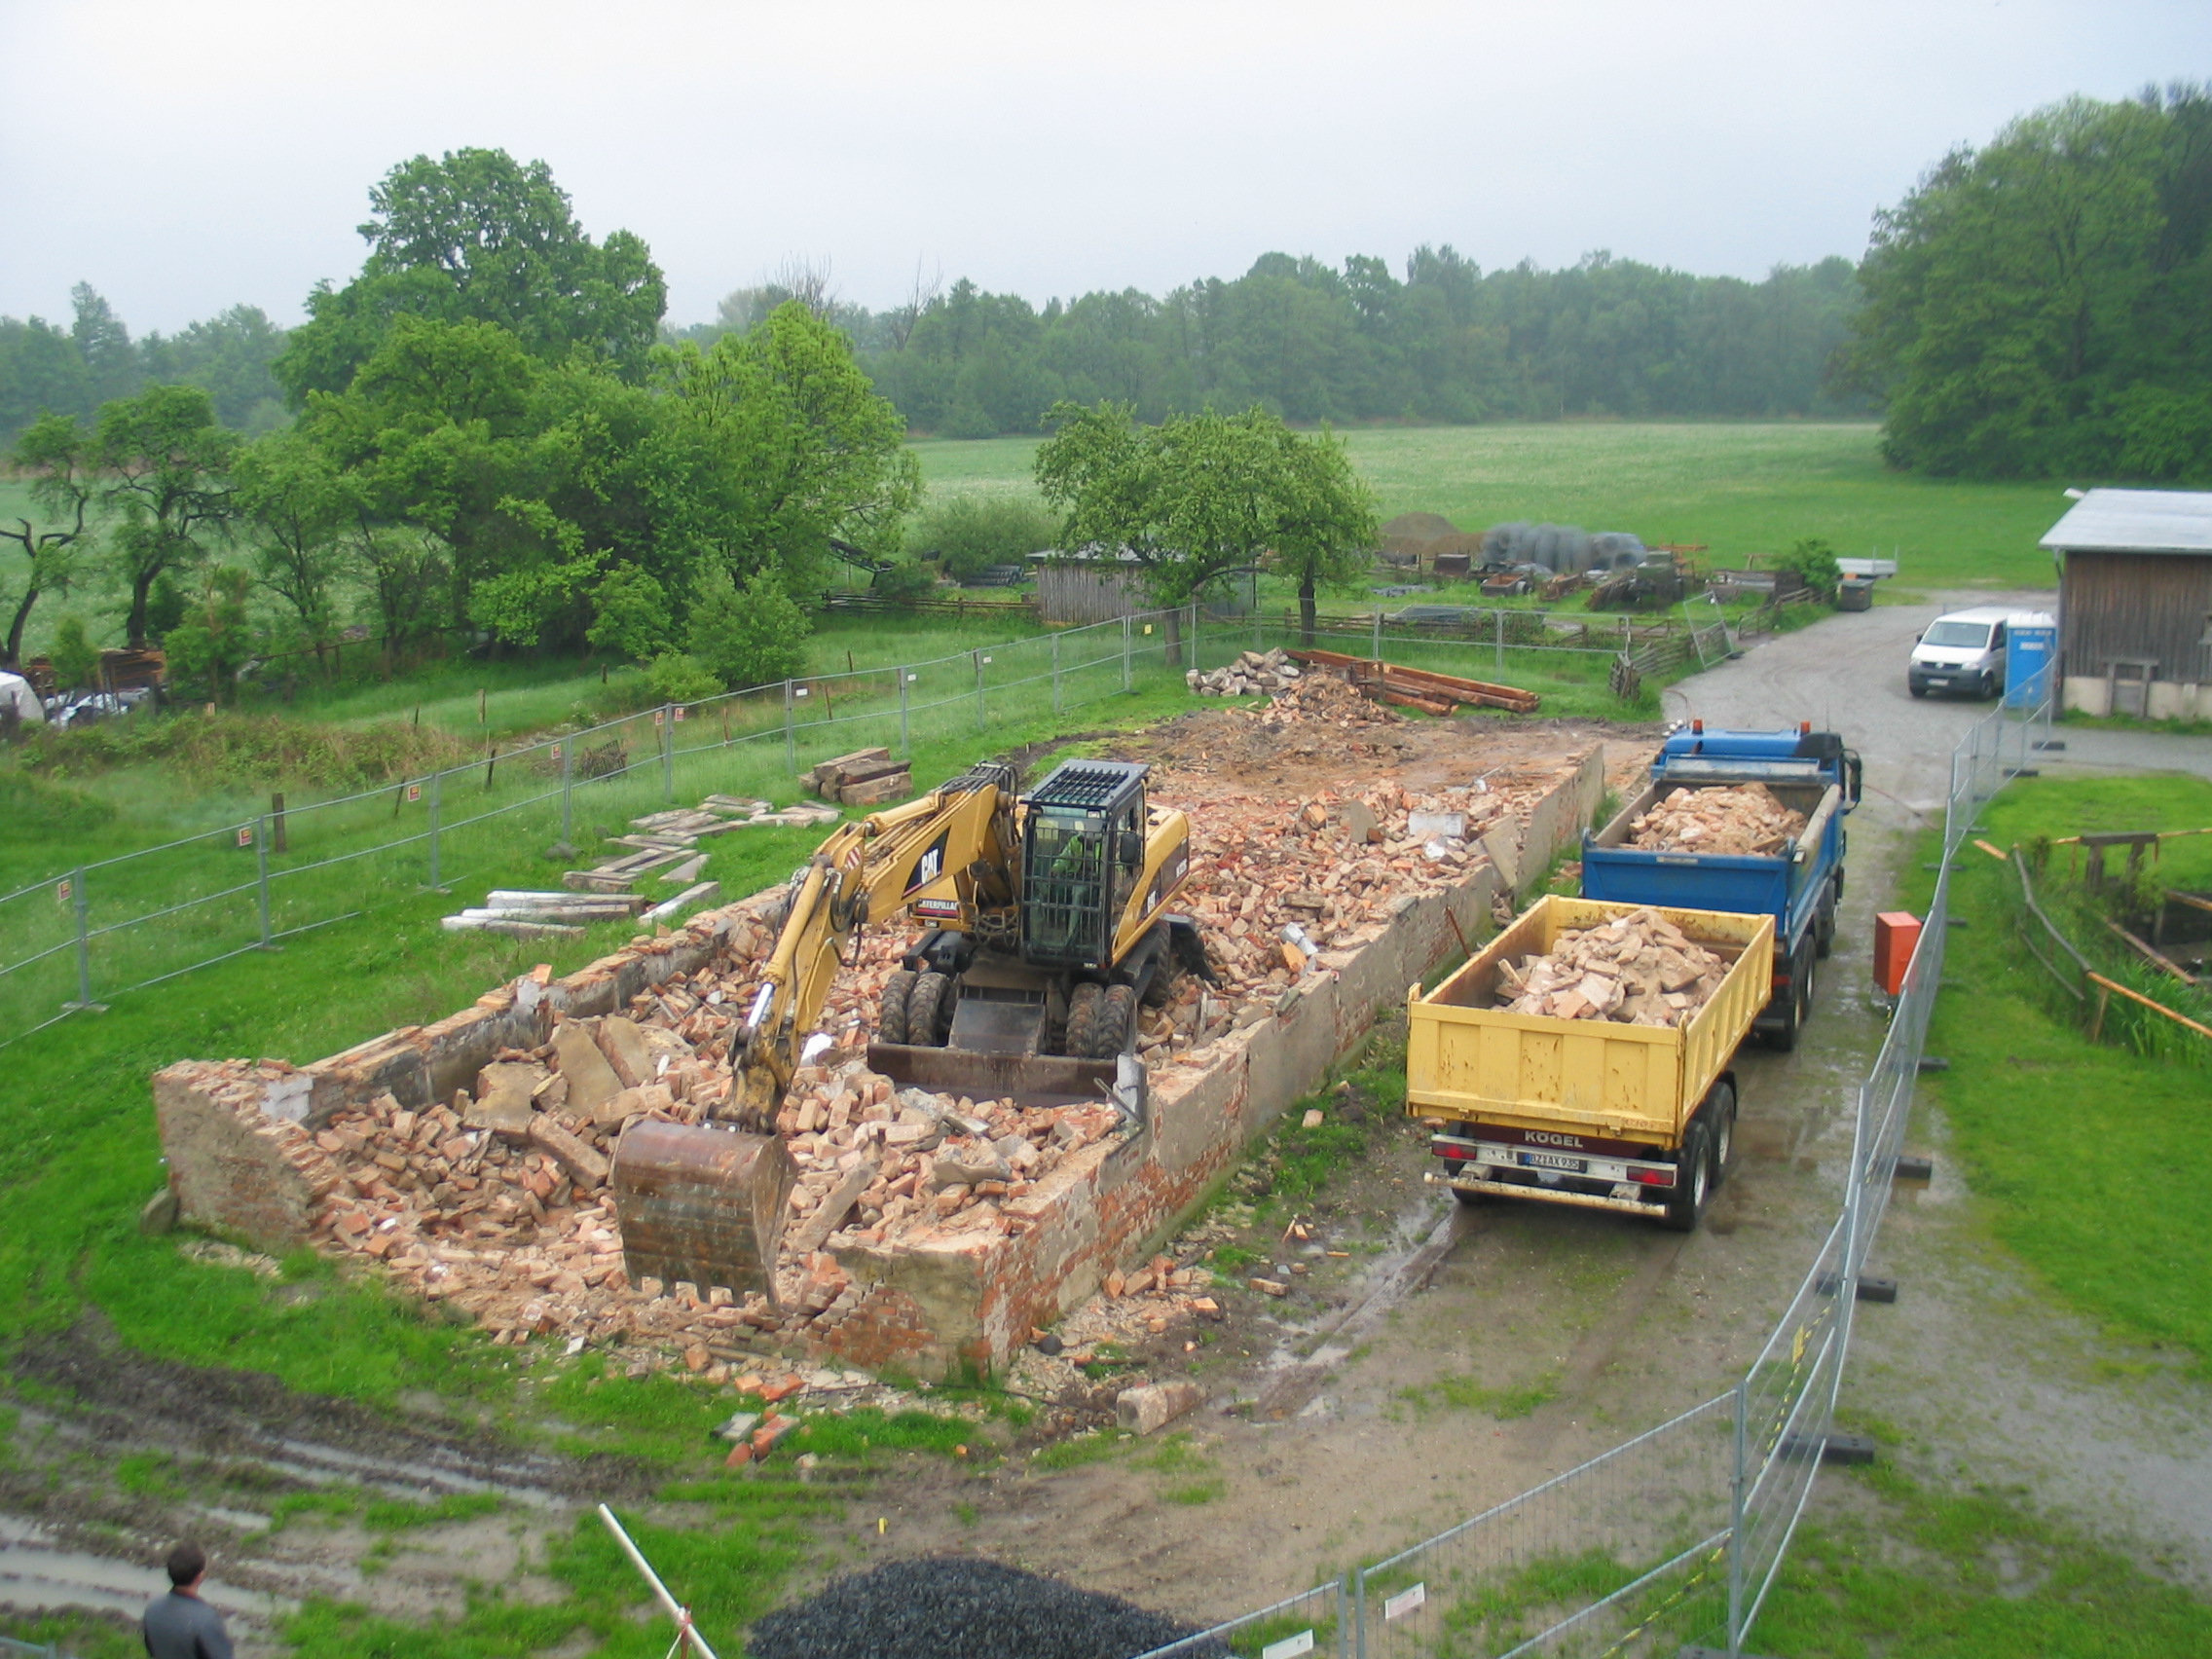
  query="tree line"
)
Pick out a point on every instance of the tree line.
point(46, 368)
point(2041, 305)
point(1443, 342)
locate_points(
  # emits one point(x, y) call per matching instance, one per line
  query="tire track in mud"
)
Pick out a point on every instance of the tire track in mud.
point(240, 1435)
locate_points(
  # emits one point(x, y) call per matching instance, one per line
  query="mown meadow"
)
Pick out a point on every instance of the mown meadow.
point(1738, 489)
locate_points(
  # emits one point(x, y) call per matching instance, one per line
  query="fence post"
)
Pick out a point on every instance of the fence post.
point(261, 862)
point(1377, 654)
point(905, 740)
point(1125, 682)
point(668, 751)
point(790, 737)
point(436, 778)
point(1359, 1612)
point(1055, 674)
point(81, 904)
point(979, 656)
point(1736, 1503)
point(1499, 614)
point(568, 747)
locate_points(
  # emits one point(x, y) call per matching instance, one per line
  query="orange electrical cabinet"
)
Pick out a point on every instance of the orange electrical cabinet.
point(1896, 934)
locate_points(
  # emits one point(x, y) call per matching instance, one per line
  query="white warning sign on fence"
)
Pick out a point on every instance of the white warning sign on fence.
point(1289, 1648)
point(1404, 1602)
point(61, 893)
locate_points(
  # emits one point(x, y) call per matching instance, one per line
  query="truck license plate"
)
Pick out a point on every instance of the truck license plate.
point(1550, 1160)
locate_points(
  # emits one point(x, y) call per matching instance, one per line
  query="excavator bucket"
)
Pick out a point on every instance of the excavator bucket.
point(705, 1205)
point(1027, 1080)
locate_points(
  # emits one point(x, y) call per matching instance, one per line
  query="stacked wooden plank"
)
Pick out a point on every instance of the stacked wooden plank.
point(867, 777)
point(1418, 687)
point(1637, 969)
point(522, 913)
point(1744, 818)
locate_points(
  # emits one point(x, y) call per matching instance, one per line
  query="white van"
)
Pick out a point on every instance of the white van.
point(1962, 652)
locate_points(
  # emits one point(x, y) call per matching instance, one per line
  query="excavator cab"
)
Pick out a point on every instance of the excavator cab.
point(1083, 852)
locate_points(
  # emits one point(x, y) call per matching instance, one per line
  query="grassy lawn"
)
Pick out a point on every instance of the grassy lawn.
point(2059, 1138)
point(79, 1154)
point(1738, 489)
point(1965, 1575)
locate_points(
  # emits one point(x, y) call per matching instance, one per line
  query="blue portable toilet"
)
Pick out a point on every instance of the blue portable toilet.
point(2030, 644)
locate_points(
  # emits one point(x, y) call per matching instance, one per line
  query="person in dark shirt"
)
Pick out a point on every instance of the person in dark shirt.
point(180, 1624)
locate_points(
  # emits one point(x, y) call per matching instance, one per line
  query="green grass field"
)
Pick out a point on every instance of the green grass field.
point(2055, 1133)
point(1738, 489)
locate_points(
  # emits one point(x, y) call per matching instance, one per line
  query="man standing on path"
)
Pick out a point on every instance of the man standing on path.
point(180, 1624)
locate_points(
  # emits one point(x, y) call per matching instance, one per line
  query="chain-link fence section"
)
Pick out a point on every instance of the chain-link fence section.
point(122, 924)
point(1676, 1537)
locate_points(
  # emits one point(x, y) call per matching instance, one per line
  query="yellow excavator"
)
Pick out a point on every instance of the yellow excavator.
point(1047, 925)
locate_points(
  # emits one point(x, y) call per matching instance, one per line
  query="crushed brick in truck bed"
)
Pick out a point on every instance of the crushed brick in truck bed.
point(1638, 969)
point(1740, 819)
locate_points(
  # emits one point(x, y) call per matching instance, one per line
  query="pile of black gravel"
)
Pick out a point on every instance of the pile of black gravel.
point(958, 1607)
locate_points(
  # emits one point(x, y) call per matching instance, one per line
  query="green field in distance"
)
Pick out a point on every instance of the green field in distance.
point(1737, 488)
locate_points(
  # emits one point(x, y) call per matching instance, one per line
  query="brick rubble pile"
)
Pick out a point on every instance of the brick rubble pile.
point(1741, 819)
point(1323, 698)
point(1638, 969)
point(1253, 672)
point(495, 1202)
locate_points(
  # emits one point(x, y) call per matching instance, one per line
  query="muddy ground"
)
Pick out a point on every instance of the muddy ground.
point(1430, 1360)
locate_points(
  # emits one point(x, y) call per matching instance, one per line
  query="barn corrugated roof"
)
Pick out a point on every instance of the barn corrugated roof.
point(2135, 521)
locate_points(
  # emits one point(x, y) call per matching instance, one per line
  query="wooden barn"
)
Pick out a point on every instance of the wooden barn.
point(2135, 603)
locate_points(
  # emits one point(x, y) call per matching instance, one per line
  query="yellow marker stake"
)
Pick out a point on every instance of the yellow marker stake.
point(879, 1526)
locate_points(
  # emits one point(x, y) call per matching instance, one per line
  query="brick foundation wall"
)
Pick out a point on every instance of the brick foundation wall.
point(242, 1160)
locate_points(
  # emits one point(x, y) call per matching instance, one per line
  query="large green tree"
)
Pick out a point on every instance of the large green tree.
point(1198, 497)
point(57, 456)
point(562, 491)
point(165, 466)
point(478, 236)
point(1325, 530)
point(2039, 305)
point(298, 509)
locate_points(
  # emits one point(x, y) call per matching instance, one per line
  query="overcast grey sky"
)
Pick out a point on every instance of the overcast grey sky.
point(188, 155)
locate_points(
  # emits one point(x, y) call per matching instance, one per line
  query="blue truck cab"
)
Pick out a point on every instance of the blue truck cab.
point(1808, 771)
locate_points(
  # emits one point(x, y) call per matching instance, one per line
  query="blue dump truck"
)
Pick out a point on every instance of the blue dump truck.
point(1798, 885)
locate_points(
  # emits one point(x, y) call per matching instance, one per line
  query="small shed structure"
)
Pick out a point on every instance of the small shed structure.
point(1088, 585)
point(2135, 603)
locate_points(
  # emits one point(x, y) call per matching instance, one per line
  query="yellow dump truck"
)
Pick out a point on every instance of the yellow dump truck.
point(1634, 1118)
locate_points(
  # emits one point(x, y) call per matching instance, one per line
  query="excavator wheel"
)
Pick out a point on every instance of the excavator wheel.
point(890, 1011)
point(928, 1010)
point(1084, 1007)
point(1116, 1016)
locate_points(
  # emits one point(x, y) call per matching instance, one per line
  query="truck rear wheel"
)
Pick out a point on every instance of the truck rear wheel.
point(930, 1008)
point(1784, 1037)
point(1720, 1109)
point(890, 1009)
point(1693, 1178)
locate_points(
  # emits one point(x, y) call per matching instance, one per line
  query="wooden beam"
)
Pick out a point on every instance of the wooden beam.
point(2120, 990)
